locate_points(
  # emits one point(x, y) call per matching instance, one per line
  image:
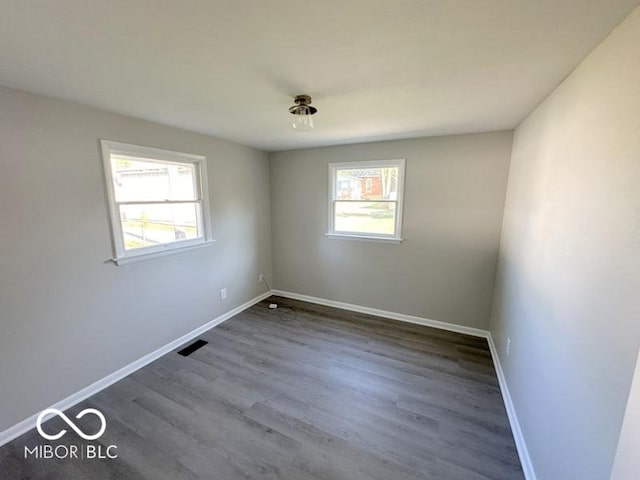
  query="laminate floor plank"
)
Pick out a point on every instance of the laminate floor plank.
point(302, 392)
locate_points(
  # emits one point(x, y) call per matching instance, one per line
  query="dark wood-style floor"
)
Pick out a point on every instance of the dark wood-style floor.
point(302, 392)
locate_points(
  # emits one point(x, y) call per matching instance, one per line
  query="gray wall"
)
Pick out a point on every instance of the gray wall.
point(568, 287)
point(67, 316)
point(444, 270)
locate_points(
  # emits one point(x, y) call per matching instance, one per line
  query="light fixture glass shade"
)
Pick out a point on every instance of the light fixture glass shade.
point(302, 119)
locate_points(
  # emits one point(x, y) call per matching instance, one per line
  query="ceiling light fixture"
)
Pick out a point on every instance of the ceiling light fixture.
point(302, 112)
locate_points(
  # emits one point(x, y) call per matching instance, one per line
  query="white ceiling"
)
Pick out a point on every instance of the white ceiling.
point(376, 69)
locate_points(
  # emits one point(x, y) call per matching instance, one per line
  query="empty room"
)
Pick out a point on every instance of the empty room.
point(330, 240)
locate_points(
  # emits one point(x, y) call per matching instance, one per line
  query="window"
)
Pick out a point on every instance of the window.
point(158, 200)
point(365, 200)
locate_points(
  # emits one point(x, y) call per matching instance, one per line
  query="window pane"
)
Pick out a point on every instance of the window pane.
point(144, 225)
point(136, 179)
point(367, 184)
point(365, 217)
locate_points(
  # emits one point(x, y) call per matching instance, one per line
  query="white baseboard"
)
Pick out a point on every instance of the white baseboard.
point(521, 446)
point(452, 327)
point(29, 423)
point(523, 452)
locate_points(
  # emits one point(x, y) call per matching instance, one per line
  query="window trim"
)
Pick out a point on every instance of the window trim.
point(399, 201)
point(121, 255)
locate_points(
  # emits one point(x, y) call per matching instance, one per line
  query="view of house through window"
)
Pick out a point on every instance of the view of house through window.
point(156, 199)
point(366, 198)
point(173, 185)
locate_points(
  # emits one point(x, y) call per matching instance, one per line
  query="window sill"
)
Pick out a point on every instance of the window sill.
point(364, 238)
point(161, 253)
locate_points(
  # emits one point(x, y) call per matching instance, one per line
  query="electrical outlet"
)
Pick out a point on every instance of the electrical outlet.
point(223, 294)
point(508, 346)
point(261, 278)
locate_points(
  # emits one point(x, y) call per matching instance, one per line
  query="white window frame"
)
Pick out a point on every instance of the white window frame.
point(121, 255)
point(334, 167)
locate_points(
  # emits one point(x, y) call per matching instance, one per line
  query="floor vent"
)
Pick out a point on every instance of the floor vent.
point(185, 352)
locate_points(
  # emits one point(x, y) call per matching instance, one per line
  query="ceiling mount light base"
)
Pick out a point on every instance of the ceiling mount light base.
point(302, 111)
point(302, 101)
